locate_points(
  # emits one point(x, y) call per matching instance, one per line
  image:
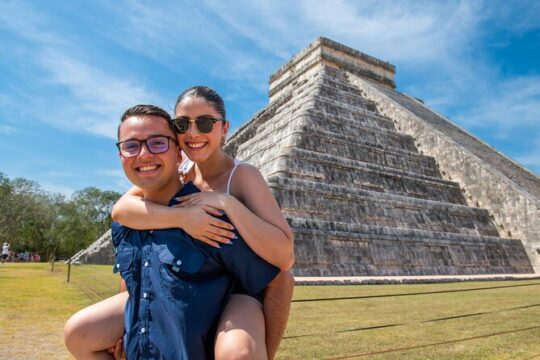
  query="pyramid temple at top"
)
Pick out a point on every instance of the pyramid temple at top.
point(373, 182)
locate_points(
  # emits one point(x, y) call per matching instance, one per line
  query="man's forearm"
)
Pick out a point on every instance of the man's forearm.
point(277, 304)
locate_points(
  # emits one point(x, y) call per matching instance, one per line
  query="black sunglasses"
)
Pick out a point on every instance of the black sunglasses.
point(205, 124)
point(156, 144)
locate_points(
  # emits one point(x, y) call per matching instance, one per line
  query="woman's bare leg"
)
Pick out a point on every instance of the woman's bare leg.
point(91, 331)
point(240, 333)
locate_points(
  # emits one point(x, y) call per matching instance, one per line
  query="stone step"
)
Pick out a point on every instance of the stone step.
point(305, 101)
point(339, 129)
point(383, 160)
point(317, 119)
point(330, 109)
point(329, 202)
point(283, 107)
point(337, 249)
point(380, 179)
point(350, 97)
point(350, 151)
point(363, 149)
point(317, 88)
point(329, 130)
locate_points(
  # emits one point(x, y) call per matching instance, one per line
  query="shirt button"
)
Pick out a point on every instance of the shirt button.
point(178, 262)
point(117, 266)
point(143, 330)
point(151, 231)
point(146, 264)
point(145, 295)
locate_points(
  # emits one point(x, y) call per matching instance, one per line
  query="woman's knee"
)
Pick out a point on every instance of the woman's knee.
point(241, 332)
point(236, 345)
point(75, 332)
point(95, 328)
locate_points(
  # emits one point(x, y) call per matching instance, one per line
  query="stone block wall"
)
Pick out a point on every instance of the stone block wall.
point(488, 178)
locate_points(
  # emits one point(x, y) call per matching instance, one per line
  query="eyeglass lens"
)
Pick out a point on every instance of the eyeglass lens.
point(156, 145)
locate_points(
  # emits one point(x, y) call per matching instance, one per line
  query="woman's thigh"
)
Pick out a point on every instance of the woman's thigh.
point(240, 333)
point(98, 326)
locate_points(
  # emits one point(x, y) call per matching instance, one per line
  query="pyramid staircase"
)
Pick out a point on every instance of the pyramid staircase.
point(360, 197)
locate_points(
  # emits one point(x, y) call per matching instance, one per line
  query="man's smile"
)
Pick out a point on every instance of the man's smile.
point(147, 168)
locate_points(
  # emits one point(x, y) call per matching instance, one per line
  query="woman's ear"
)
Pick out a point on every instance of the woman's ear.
point(226, 124)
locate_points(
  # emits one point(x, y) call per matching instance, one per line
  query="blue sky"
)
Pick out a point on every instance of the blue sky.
point(68, 69)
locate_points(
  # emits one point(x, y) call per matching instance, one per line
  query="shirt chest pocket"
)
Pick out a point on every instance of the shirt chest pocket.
point(124, 263)
point(181, 261)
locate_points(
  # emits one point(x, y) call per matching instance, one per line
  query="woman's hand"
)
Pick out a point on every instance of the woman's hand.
point(216, 200)
point(202, 226)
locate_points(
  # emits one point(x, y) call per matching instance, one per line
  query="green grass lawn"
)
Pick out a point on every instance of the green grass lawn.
point(472, 320)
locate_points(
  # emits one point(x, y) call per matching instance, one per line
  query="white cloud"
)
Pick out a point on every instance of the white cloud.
point(434, 44)
point(80, 96)
point(193, 38)
point(57, 188)
point(117, 178)
point(98, 98)
point(7, 130)
point(437, 46)
point(511, 103)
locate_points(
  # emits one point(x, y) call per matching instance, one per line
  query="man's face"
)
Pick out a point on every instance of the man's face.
point(149, 171)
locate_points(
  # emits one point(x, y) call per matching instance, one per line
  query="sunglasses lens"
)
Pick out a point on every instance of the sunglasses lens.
point(205, 124)
point(158, 145)
point(181, 125)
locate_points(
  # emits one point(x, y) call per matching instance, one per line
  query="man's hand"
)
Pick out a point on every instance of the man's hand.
point(118, 350)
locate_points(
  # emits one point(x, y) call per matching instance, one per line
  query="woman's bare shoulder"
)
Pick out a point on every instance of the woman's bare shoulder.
point(247, 173)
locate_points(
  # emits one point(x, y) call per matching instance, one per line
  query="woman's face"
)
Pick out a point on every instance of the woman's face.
point(200, 146)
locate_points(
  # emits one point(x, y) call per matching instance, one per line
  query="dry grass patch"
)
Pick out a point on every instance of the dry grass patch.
point(472, 320)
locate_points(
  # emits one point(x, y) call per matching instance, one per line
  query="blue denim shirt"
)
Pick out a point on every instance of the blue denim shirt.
point(178, 287)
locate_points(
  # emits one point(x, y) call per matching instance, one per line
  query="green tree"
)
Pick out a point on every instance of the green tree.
point(83, 219)
point(96, 205)
point(24, 214)
point(37, 221)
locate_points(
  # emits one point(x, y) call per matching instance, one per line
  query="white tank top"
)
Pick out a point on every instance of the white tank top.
point(236, 163)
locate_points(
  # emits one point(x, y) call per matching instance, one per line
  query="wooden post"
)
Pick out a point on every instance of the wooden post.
point(69, 270)
point(53, 258)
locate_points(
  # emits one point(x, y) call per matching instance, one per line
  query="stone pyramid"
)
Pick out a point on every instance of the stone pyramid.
point(375, 183)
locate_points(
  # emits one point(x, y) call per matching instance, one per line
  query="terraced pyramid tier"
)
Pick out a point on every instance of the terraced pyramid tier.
point(360, 196)
point(341, 249)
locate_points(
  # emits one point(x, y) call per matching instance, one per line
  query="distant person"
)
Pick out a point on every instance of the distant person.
point(5, 252)
point(177, 286)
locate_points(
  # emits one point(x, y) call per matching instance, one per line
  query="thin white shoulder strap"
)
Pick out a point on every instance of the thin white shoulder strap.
point(236, 163)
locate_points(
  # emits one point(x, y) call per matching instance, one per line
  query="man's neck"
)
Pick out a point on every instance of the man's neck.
point(162, 195)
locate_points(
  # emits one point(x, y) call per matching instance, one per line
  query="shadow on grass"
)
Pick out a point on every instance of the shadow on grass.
point(411, 323)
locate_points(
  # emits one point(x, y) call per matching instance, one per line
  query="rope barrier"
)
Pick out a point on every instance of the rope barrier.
point(410, 294)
